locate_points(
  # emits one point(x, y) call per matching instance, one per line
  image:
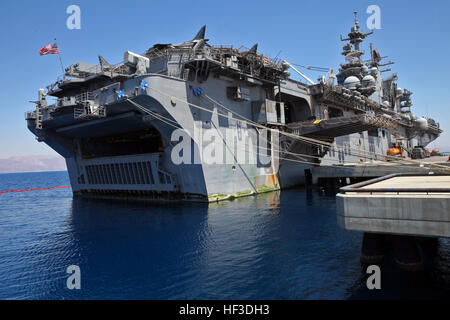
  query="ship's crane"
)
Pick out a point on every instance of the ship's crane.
point(299, 72)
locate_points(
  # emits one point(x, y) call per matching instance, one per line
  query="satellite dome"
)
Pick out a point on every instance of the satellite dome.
point(351, 83)
point(365, 69)
point(422, 123)
point(368, 81)
point(386, 103)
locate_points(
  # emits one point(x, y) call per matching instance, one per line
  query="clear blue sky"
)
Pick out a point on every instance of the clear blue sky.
point(414, 34)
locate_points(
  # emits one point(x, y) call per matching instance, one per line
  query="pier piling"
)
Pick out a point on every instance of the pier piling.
point(373, 248)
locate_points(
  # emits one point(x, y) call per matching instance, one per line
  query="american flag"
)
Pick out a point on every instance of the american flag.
point(49, 49)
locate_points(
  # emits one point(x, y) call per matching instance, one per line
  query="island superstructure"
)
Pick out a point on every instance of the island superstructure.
point(248, 126)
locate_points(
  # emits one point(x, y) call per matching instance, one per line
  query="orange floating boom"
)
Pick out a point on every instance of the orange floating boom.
point(35, 189)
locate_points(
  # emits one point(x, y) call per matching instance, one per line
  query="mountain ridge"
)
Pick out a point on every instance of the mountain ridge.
point(34, 163)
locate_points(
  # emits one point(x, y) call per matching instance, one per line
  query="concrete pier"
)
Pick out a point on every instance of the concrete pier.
point(372, 169)
point(395, 211)
point(401, 204)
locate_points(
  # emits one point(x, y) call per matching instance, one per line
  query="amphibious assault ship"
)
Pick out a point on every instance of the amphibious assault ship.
point(206, 122)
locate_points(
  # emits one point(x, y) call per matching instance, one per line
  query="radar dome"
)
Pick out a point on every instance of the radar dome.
point(422, 123)
point(352, 83)
point(368, 81)
point(365, 69)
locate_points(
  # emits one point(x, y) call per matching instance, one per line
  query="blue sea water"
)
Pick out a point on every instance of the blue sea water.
point(274, 246)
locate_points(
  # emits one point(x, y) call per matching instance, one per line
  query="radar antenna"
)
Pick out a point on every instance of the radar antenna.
point(355, 37)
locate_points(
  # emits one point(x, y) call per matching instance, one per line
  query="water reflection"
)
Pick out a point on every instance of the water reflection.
point(143, 249)
point(273, 246)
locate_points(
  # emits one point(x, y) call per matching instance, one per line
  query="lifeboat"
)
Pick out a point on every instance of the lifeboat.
point(435, 152)
point(396, 150)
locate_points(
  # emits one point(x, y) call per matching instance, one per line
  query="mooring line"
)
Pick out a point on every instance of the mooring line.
point(35, 189)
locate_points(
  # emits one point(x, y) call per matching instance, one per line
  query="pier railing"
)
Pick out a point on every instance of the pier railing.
point(362, 186)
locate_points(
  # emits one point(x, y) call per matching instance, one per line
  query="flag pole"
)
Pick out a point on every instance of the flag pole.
point(60, 61)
